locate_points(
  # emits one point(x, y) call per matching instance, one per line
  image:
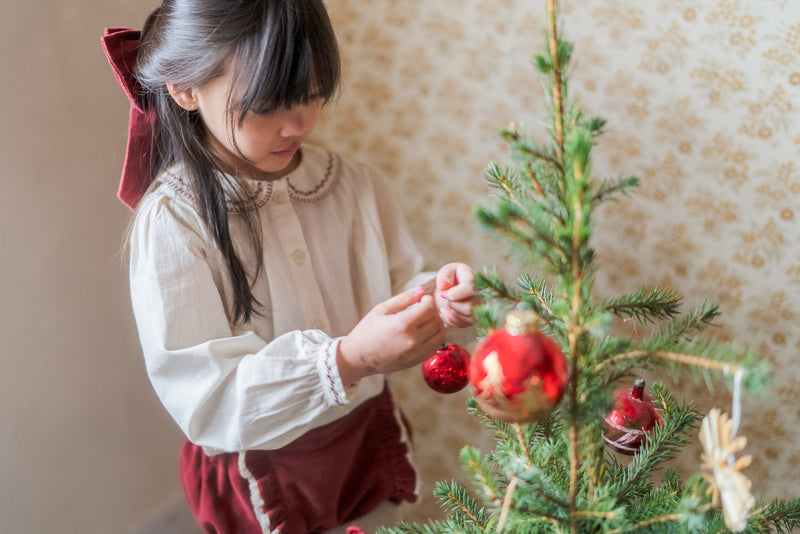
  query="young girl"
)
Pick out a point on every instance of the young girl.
point(273, 282)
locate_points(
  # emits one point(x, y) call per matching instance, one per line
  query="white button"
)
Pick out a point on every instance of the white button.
point(299, 257)
point(279, 197)
point(318, 325)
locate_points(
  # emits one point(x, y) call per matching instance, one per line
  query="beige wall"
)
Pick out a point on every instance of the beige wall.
point(84, 447)
point(703, 105)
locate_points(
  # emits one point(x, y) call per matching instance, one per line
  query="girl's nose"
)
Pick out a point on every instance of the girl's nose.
point(296, 121)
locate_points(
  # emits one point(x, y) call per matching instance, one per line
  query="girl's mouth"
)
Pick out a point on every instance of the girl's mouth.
point(288, 153)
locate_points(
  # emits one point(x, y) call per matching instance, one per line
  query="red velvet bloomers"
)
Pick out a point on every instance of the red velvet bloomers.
point(360, 462)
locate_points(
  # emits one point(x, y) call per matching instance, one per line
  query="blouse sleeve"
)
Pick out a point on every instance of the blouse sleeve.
point(227, 392)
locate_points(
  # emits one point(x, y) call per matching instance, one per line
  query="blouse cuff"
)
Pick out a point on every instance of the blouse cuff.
point(328, 368)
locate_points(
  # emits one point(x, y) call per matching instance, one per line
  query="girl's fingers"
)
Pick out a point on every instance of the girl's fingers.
point(459, 292)
point(420, 313)
point(456, 319)
point(403, 301)
point(450, 317)
point(429, 324)
point(463, 307)
point(433, 339)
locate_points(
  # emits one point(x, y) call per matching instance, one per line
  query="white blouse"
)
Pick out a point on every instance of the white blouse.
point(334, 245)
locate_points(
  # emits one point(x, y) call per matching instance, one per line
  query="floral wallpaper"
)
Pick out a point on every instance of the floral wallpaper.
point(703, 104)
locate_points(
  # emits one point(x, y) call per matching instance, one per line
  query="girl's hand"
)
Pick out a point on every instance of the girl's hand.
point(455, 295)
point(396, 334)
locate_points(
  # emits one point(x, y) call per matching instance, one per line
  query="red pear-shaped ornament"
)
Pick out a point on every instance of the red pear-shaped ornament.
point(447, 370)
point(518, 373)
point(625, 429)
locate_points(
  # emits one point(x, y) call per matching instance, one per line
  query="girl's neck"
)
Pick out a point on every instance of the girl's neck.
point(265, 176)
point(252, 173)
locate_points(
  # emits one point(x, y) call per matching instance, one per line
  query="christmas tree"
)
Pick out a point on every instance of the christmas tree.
point(577, 449)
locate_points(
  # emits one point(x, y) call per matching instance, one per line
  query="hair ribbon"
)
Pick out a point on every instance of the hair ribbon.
point(120, 46)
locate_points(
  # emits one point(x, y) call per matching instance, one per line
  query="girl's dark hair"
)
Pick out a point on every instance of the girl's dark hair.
point(282, 52)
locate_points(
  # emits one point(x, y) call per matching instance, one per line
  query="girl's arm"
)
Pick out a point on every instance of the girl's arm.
point(228, 391)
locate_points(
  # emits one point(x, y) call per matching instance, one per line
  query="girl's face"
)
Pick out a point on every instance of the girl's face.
point(264, 146)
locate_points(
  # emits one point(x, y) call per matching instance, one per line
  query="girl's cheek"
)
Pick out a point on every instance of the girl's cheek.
point(251, 136)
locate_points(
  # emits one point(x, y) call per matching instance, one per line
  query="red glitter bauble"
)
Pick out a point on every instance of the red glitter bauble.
point(634, 415)
point(518, 373)
point(446, 371)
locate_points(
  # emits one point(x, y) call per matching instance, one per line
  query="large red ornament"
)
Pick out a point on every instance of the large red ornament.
point(518, 373)
point(446, 371)
point(634, 415)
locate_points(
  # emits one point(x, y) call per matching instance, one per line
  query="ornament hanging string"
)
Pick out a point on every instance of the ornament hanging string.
point(736, 408)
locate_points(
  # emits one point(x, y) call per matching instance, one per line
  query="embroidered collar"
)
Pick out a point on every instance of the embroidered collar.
point(313, 180)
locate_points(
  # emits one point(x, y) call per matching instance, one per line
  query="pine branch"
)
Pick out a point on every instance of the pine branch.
point(523, 524)
point(672, 481)
point(649, 522)
point(780, 516)
point(501, 432)
point(658, 502)
point(536, 466)
point(538, 481)
point(695, 321)
point(537, 296)
point(700, 356)
point(524, 499)
point(611, 188)
point(487, 317)
point(556, 57)
point(512, 486)
point(578, 150)
point(433, 527)
point(713, 362)
point(523, 443)
point(534, 177)
point(473, 462)
point(645, 306)
point(665, 509)
point(515, 190)
point(522, 145)
point(463, 507)
point(594, 124)
point(493, 288)
point(525, 233)
point(508, 182)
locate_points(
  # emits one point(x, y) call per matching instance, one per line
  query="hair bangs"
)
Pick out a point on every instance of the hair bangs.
point(291, 59)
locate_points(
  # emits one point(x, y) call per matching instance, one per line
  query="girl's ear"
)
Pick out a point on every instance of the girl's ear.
point(185, 98)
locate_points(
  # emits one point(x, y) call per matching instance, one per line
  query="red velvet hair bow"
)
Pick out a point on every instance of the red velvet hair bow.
point(120, 46)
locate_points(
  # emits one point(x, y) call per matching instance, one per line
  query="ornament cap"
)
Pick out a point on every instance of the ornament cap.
point(522, 322)
point(638, 388)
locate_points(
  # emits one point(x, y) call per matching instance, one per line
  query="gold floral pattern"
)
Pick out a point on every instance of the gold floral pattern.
point(703, 104)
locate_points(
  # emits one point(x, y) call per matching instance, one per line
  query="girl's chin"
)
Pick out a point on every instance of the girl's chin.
point(277, 167)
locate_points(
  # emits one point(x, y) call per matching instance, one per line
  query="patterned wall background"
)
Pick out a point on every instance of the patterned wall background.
point(703, 104)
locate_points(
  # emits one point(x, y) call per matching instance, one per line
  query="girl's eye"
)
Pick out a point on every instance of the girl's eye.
point(263, 112)
point(316, 97)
